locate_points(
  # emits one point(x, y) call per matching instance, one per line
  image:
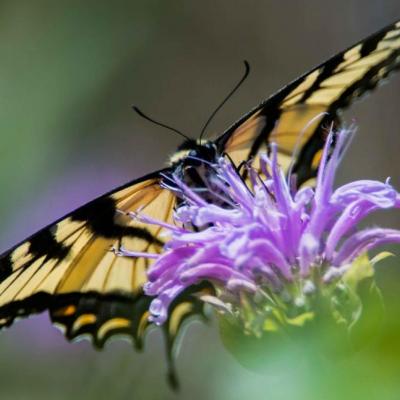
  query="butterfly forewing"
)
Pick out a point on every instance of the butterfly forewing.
point(71, 269)
point(298, 116)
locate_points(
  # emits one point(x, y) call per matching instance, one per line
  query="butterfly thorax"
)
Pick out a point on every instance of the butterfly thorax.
point(191, 163)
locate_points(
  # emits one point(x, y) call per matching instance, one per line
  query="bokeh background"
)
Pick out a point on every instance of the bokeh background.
point(69, 72)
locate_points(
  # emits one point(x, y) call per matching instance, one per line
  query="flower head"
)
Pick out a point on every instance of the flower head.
point(269, 249)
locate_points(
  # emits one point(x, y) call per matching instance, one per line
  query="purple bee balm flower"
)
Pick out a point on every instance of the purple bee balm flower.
point(267, 247)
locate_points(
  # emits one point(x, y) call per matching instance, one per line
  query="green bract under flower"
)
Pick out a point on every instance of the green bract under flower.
point(277, 256)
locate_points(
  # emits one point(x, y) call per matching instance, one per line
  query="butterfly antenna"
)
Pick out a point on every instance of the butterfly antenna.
point(160, 124)
point(245, 75)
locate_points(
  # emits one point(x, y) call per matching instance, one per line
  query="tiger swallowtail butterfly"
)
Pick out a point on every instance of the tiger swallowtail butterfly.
point(68, 268)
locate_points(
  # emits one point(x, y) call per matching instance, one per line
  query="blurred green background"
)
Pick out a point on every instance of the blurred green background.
point(69, 72)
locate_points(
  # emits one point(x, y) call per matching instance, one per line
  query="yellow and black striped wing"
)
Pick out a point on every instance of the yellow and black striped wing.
point(69, 268)
point(297, 117)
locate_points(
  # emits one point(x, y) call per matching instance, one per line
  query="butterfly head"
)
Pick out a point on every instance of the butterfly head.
point(192, 153)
